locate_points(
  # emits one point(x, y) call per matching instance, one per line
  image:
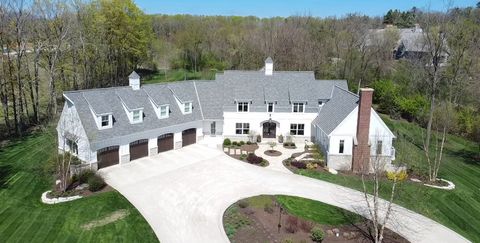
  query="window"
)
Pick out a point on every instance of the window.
point(136, 116)
point(242, 128)
point(270, 107)
point(297, 129)
point(297, 107)
point(341, 147)
point(379, 147)
point(164, 111)
point(188, 107)
point(72, 146)
point(105, 121)
point(242, 107)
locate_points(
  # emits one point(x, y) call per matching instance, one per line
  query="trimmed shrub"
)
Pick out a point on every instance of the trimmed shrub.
point(241, 143)
point(227, 142)
point(243, 203)
point(298, 165)
point(235, 143)
point(259, 139)
point(317, 234)
point(85, 175)
point(249, 143)
point(95, 183)
point(312, 166)
point(292, 224)
point(253, 159)
point(243, 156)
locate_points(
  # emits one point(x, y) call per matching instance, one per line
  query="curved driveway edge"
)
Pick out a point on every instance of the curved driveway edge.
point(183, 194)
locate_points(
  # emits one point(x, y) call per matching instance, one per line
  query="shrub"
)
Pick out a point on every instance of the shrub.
point(280, 138)
point(298, 165)
point(249, 143)
point(292, 224)
point(259, 138)
point(235, 143)
point(306, 226)
point(398, 176)
point(227, 142)
point(95, 183)
point(312, 166)
point(253, 159)
point(264, 163)
point(268, 207)
point(243, 203)
point(243, 156)
point(241, 143)
point(317, 234)
point(84, 175)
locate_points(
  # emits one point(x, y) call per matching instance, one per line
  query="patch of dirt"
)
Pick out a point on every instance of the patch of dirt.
point(273, 153)
point(117, 215)
point(437, 183)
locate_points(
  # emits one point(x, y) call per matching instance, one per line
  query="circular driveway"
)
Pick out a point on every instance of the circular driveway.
point(183, 194)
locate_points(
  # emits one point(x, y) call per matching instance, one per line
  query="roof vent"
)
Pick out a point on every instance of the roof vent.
point(134, 80)
point(269, 66)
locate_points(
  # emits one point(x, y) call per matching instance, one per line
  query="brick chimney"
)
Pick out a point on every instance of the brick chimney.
point(361, 147)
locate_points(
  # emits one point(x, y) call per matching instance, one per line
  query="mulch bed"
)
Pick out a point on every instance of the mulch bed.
point(84, 193)
point(263, 227)
point(274, 153)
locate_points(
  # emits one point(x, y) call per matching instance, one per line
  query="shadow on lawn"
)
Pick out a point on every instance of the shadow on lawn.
point(468, 156)
point(6, 171)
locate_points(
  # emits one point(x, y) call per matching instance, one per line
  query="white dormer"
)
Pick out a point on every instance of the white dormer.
point(186, 107)
point(103, 121)
point(269, 66)
point(134, 81)
point(135, 115)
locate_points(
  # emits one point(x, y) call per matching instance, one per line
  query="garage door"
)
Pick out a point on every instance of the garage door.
point(189, 136)
point(165, 142)
point(138, 149)
point(107, 156)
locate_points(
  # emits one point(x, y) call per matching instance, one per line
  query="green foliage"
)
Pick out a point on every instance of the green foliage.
point(95, 183)
point(405, 19)
point(317, 234)
point(85, 175)
point(233, 220)
point(227, 142)
point(386, 95)
point(413, 106)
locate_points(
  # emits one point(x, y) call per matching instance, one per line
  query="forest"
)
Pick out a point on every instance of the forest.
point(50, 46)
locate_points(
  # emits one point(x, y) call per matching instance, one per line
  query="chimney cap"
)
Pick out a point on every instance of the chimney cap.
point(134, 75)
point(366, 90)
point(269, 60)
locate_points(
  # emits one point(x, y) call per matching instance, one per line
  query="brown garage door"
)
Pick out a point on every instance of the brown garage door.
point(165, 142)
point(138, 149)
point(189, 136)
point(107, 156)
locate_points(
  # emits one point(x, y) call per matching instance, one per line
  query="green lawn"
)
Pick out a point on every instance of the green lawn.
point(177, 75)
point(458, 209)
point(23, 218)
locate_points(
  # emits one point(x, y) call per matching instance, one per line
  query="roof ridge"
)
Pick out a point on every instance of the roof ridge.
point(345, 90)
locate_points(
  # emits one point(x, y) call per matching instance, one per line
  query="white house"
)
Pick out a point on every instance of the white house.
point(115, 125)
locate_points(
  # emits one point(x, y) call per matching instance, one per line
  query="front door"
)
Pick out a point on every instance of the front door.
point(213, 129)
point(269, 129)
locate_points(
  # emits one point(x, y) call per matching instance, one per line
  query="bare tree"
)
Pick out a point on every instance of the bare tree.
point(68, 145)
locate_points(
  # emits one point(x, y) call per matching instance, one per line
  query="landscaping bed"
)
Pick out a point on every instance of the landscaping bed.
point(256, 219)
point(84, 184)
point(273, 153)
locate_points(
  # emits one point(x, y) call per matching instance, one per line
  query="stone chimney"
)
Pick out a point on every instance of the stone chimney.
point(361, 147)
point(269, 66)
point(134, 81)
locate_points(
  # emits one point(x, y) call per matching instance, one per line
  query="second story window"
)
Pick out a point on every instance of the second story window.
point(297, 107)
point(242, 107)
point(163, 111)
point(379, 147)
point(270, 107)
point(136, 116)
point(188, 108)
point(105, 121)
point(341, 146)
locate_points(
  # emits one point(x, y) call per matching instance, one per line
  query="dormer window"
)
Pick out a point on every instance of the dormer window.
point(242, 107)
point(187, 108)
point(137, 116)
point(298, 107)
point(105, 120)
point(164, 111)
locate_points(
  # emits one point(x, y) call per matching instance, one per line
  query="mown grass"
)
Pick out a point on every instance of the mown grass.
point(24, 218)
point(177, 75)
point(458, 209)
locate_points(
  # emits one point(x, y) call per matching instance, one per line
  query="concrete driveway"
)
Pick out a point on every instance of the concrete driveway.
point(183, 194)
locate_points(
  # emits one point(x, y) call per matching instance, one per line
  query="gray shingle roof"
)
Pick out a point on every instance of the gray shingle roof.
point(342, 103)
point(133, 99)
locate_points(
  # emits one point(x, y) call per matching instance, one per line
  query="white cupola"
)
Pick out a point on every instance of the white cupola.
point(134, 81)
point(269, 66)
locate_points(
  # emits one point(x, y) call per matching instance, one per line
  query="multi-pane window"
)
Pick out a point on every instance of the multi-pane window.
point(72, 146)
point(187, 108)
point(164, 111)
point(341, 146)
point(270, 107)
point(297, 107)
point(105, 121)
point(242, 107)
point(136, 116)
point(297, 129)
point(242, 128)
point(379, 147)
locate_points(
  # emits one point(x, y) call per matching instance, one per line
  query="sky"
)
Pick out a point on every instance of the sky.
point(284, 8)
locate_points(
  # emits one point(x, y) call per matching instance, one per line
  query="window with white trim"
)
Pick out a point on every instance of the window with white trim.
point(341, 146)
point(72, 146)
point(242, 107)
point(270, 107)
point(298, 107)
point(136, 117)
point(242, 128)
point(164, 111)
point(105, 120)
point(187, 108)
point(297, 129)
point(379, 147)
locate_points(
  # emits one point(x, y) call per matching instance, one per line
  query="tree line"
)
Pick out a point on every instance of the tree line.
point(52, 45)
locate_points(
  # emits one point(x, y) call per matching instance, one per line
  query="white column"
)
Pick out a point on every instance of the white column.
point(152, 147)
point(124, 153)
point(177, 140)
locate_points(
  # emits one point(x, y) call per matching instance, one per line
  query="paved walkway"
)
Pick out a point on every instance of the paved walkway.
point(183, 194)
point(276, 162)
